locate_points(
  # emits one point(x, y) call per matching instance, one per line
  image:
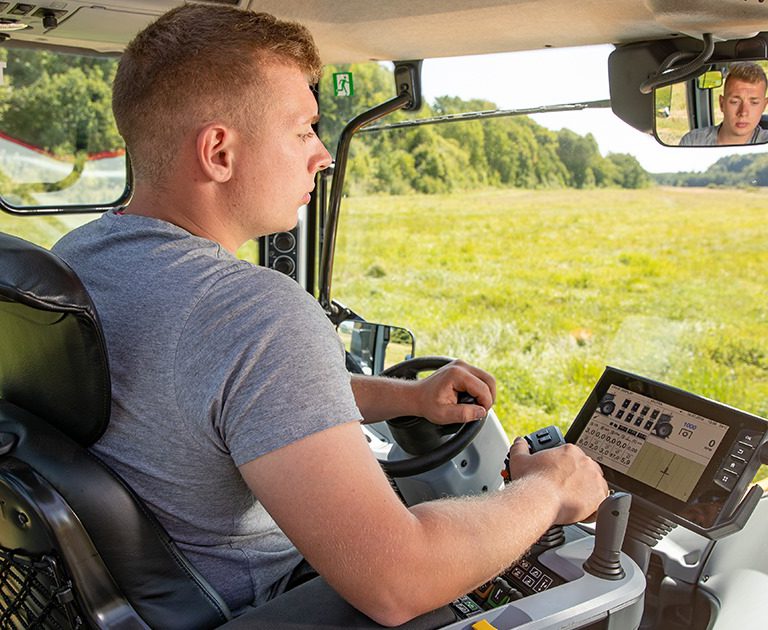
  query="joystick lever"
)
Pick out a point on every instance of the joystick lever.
point(548, 437)
point(612, 515)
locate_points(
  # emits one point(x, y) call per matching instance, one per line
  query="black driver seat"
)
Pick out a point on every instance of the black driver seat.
point(77, 546)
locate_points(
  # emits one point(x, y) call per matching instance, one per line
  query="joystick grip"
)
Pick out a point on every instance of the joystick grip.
point(612, 515)
point(545, 438)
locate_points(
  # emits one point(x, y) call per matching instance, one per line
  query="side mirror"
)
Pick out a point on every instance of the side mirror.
point(723, 106)
point(373, 347)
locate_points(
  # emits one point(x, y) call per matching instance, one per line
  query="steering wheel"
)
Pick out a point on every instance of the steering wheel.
point(418, 436)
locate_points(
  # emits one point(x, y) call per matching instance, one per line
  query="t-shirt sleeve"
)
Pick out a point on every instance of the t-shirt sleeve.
point(260, 366)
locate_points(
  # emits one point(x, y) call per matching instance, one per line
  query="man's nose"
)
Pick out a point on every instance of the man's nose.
point(323, 159)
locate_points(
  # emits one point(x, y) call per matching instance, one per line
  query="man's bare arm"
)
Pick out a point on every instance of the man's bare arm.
point(330, 497)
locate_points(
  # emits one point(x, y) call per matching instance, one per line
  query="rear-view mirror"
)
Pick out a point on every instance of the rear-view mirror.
point(723, 106)
point(373, 347)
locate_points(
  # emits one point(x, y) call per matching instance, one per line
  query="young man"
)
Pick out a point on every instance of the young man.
point(231, 403)
point(742, 104)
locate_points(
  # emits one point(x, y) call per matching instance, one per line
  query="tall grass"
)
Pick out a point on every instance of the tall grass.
point(545, 288)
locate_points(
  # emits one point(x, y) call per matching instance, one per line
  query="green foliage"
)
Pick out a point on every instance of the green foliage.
point(626, 171)
point(59, 103)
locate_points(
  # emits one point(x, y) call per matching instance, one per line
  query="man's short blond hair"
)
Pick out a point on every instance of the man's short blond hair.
point(746, 71)
point(196, 64)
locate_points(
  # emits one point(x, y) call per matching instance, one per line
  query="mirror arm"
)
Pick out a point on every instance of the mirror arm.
point(402, 101)
point(664, 76)
point(340, 313)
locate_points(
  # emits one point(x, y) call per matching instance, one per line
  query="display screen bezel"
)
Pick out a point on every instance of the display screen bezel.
point(709, 503)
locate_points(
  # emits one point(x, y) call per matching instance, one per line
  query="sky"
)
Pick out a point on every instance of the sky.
point(555, 76)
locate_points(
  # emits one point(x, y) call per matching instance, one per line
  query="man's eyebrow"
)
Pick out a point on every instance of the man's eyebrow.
point(315, 119)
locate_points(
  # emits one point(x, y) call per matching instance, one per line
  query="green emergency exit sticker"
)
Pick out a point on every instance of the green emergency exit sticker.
point(343, 85)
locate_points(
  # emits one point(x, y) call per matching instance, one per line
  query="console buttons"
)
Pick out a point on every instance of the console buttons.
point(530, 577)
point(735, 465)
point(726, 479)
point(466, 603)
point(543, 584)
point(750, 438)
point(742, 452)
point(529, 581)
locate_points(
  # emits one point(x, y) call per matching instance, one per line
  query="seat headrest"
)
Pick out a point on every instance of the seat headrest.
point(53, 360)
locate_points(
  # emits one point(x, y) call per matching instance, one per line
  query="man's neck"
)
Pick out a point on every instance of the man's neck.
point(187, 211)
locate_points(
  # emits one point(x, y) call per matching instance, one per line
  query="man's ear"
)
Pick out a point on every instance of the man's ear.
point(722, 99)
point(214, 151)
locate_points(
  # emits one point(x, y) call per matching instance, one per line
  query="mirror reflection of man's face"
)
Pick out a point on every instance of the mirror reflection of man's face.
point(742, 105)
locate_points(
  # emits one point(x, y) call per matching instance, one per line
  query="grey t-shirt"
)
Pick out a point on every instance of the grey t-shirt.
point(707, 136)
point(214, 362)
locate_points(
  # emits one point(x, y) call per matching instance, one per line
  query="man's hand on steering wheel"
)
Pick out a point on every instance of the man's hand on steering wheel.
point(437, 398)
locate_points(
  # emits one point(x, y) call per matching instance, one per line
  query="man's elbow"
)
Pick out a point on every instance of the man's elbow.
point(389, 606)
point(389, 614)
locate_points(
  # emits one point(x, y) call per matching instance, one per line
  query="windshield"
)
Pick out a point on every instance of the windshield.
point(544, 248)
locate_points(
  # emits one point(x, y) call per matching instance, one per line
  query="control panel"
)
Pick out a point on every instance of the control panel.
point(526, 577)
point(688, 458)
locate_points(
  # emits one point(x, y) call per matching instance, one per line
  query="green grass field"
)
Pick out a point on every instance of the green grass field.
point(545, 288)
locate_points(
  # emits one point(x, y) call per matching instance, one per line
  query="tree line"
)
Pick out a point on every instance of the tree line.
point(729, 171)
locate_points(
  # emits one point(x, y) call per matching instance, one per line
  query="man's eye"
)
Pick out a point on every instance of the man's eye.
point(307, 136)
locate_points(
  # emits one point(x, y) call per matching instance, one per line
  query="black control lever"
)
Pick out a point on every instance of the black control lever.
point(540, 440)
point(549, 437)
point(612, 516)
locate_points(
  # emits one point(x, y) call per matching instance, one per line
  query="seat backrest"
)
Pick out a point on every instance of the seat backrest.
point(58, 499)
point(52, 357)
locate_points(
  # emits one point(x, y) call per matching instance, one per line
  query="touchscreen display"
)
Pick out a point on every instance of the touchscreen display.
point(655, 443)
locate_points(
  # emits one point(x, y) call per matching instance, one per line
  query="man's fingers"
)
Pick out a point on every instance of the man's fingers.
point(483, 377)
point(477, 388)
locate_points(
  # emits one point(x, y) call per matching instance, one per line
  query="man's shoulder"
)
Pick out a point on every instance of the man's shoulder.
point(698, 137)
point(762, 136)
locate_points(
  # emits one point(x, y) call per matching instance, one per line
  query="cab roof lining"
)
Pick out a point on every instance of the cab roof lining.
point(420, 29)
